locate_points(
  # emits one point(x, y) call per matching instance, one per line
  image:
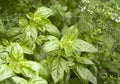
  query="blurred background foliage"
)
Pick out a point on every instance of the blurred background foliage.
point(98, 22)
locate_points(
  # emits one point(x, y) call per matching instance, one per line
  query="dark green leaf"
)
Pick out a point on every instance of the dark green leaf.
point(81, 45)
point(52, 29)
point(111, 66)
point(13, 32)
point(50, 46)
point(85, 74)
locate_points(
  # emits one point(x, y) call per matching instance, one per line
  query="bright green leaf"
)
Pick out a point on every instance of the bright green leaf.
point(30, 33)
point(44, 12)
point(50, 46)
point(19, 80)
point(5, 72)
point(1, 61)
point(38, 68)
point(16, 51)
point(71, 34)
point(2, 48)
point(30, 16)
point(50, 37)
point(84, 60)
point(27, 50)
point(37, 80)
point(23, 22)
point(27, 71)
point(57, 69)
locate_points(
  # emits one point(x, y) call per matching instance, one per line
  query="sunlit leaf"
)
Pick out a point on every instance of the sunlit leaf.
point(51, 46)
point(5, 72)
point(23, 22)
point(57, 70)
point(27, 71)
point(37, 80)
point(16, 51)
point(44, 11)
point(50, 37)
point(19, 80)
point(71, 34)
point(27, 50)
point(84, 60)
point(2, 48)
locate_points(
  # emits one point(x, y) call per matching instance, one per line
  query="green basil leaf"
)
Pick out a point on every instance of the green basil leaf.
point(23, 22)
point(16, 51)
point(85, 74)
point(37, 80)
point(81, 45)
point(50, 37)
point(33, 65)
point(13, 66)
point(84, 60)
point(7, 81)
point(5, 72)
point(30, 33)
point(38, 68)
point(13, 32)
point(111, 66)
point(27, 71)
point(68, 50)
point(50, 46)
point(2, 48)
point(68, 39)
point(30, 16)
point(71, 34)
point(1, 62)
point(19, 80)
point(4, 56)
point(52, 29)
point(44, 12)
point(27, 50)
point(57, 69)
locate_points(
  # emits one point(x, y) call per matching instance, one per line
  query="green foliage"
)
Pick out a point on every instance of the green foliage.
point(84, 74)
point(51, 42)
